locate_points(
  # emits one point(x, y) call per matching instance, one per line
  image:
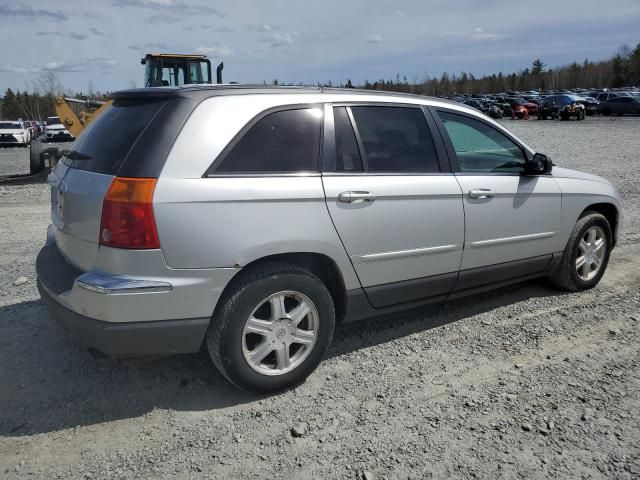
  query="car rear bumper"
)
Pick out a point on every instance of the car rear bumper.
point(127, 315)
point(128, 339)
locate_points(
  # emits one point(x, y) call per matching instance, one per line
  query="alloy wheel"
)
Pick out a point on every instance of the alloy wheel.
point(591, 252)
point(280, 333)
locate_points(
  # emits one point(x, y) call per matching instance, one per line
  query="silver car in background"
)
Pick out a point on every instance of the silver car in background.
point(256, 219)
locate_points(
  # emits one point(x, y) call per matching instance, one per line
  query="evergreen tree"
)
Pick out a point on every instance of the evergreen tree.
point(537, 67)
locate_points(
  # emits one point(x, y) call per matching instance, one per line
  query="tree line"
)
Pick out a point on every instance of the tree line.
point(37, 102)
point(621, 70)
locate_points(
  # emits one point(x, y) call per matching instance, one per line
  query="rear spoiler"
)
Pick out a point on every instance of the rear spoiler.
point(152, 92)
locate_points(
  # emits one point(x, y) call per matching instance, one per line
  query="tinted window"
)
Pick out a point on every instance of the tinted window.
point(347, 153)
point(396, 139)
point(109, 138)
point(287, 141)
point(7, 125)
point(481, 148)
point(53, 121)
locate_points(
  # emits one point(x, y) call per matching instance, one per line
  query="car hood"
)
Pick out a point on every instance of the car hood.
point(11, 131)
point(559, 172)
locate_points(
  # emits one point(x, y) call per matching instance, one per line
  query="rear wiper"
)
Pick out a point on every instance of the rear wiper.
point(73, 155)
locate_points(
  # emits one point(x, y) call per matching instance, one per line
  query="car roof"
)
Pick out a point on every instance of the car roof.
point(207, 90)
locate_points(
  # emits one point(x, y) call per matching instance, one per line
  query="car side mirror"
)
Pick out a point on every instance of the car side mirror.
point(540, 164)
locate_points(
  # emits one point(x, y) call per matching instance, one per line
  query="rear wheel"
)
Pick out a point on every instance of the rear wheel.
point(586, 255)
point(272, 327)
point(606, 112)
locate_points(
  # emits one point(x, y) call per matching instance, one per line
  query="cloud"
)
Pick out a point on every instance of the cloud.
point(178, 7)
point(476, 33)
point(273, 35)
point(87, 64)
point(74, 35)
point(18, 70)
point(155, 46)
point(216, 51)
point(374, 38)
point(161, 18)
point(96, 32)
point(223, 29)
point(11, 10)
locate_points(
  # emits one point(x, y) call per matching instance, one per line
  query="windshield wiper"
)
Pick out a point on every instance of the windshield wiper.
point(73, 155)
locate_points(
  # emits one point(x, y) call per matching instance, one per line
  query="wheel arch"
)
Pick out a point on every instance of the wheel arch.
point(610, 212)
point(321, 265)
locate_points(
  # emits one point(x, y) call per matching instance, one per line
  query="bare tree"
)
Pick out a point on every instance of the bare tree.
point(50, 84)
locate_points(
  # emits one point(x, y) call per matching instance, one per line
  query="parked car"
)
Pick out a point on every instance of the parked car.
point(37, 127)
point(13, 133)
point(620, 106)
point(590, 104)
point(563, 107)
point(55, 131)
point(504, 105)
point(306, 209)
point(520, 104)
point(495, 111)
point(478, 105)
point(608, 95)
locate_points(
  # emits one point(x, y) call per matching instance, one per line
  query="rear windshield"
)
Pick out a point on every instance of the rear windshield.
point(104, 145)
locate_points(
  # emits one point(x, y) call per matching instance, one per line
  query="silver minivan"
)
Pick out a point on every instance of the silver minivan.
point(255, 219)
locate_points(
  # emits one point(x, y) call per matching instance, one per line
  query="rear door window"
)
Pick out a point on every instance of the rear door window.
point(105, 143)
point(348, 157)
point(396, 139)
point(280, 142)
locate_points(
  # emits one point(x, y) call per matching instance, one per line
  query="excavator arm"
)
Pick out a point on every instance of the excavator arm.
point(75, 124)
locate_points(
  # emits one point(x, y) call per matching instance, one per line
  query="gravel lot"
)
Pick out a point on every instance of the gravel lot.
point(525, 382)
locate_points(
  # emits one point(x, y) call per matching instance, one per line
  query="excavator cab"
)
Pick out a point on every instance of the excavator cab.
point(170, 70)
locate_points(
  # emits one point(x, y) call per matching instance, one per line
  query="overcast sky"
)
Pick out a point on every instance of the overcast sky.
point(305, 41)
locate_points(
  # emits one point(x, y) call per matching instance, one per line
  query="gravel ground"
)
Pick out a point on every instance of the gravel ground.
point(524, 382)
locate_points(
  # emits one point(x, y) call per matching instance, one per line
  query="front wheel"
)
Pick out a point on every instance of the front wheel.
point(272, 327)
point(586, 255)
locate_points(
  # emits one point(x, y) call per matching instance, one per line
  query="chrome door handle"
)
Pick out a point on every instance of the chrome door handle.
point(354, 196)
point(480, 193)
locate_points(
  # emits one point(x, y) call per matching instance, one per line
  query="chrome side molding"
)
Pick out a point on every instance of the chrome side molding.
point(113, 285)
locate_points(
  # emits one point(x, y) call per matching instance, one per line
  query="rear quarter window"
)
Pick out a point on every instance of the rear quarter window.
point(280, 142)
point(110, 137)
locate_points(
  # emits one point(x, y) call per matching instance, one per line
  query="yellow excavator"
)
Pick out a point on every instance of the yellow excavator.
point(161, 70)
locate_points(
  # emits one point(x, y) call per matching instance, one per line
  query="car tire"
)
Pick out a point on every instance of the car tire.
point(606, 112)
point(568, 275)
point(36, 162)
point(248, 304)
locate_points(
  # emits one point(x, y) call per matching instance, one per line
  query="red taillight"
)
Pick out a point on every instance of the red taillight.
point(127, 214)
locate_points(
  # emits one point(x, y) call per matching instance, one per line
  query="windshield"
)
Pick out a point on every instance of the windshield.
point(53, 121)
point(559, 100)
point(9, 125)
point(170, 72)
